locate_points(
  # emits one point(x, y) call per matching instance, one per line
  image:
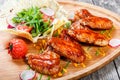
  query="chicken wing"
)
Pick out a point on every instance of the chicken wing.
point(97, 22)
point(92, 21)
point(47, 63)
point(88, 36)
point(67, 49)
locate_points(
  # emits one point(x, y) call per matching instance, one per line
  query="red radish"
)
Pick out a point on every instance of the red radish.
point(71, 16)
point(114, 42)
point(27, 75)
point(47, 11)
point(9, 22)
point(10, 26)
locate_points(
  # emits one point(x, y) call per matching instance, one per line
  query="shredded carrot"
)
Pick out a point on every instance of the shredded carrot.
point(75, 64)
point(37, 47)
point(60, 74)
point(43, 41)
point(55, 75)
point(59, 31)
point(88, 56)
point(34, 45)
point(83, 65)
point(103, 53)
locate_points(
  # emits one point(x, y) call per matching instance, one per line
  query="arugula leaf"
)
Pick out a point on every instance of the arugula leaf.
point(32, 17)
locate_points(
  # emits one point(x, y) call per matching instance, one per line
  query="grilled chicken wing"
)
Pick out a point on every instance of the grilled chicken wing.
point(88, 36)
point(47, 63)
point(82, 13)
point(97, 22)
point(67, 49)
point(94, 22)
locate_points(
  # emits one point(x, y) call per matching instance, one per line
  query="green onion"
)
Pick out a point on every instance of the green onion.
point(28, 67)
point(97, 53)
point(89, 47)
point(48, 78)
point(67, 24)
point(39, 77)
point(67, 64)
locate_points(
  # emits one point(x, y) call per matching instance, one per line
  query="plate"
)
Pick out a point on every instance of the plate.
point(10, 69)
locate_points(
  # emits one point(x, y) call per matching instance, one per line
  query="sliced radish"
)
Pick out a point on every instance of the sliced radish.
point(47, 11)
point(27, 75)
point(9, 22)
point(114, 42)
point(10, 26)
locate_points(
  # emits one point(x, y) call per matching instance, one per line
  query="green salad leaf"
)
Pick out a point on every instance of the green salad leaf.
point(32, 17)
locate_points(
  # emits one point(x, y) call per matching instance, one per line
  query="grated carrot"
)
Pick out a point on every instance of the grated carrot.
point(88, 56)
point(60, 74)
point(37, 47)
point(103, 53)
point(55, 75)
point(83, 65)
point(75, 64)
point(34, 45)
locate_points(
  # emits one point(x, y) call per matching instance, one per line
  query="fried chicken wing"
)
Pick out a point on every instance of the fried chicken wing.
point(97, 22)
point(88, 36)
point(47, 63)
point(67, 49)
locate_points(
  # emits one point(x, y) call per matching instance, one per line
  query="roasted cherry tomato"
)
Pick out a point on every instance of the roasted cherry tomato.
point(17, 48)
point(24, 28)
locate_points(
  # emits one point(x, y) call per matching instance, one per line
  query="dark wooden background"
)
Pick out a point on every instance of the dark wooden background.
point(112, 70)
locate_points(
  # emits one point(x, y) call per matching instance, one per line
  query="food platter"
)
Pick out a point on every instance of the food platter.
point(10, 69)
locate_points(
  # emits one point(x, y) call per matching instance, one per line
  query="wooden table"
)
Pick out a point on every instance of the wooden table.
point(112, 70)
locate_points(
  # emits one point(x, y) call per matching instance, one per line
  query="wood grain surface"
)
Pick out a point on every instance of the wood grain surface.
point(10, 69)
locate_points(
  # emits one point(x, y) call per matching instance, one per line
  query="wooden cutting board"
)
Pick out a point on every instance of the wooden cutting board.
point(10, 69)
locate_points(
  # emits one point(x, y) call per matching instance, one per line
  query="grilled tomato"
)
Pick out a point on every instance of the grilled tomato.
point(17, 48)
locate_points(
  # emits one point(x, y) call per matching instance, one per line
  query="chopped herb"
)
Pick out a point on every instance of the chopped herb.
point(28, 67)
point(56, 34)
point(89, 47)
point(39, 77)
point(48, 78)
point(67, 64)
point(67, 25)
point(41, 51)
point(97, 53)
point(102, 32)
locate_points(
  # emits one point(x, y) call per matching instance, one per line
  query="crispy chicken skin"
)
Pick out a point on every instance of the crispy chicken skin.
point(68, 49)
point(82, 13)
point(93, 22)
point(88, 36)
point(97, 22)
point(47, 63)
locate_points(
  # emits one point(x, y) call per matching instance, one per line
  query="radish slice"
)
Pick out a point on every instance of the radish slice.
point(9, 22)
point(10, 26)
point(27, 75)
point(114, 42)
point(47, 11)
